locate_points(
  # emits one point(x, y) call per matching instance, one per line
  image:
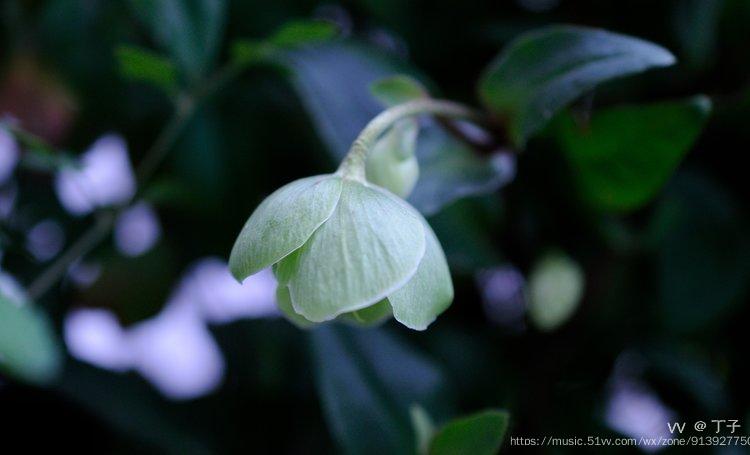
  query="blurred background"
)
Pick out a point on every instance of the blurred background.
point(147, 344)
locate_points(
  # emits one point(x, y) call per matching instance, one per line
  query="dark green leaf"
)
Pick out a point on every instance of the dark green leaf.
point(368, 380)
point(623, 157)
point(703, 254)
point(479, 434)
point(29, 349)
point(190, 30)
point(142, 65)
point(544, 70)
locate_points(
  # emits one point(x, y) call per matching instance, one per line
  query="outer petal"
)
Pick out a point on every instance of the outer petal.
point(369, 247)
point(429, 292)
point(285, 306)
point(283, 222)
point(371, 316)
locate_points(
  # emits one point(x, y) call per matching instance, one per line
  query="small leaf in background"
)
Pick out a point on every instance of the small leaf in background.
point(292, 34)
point(703, 253)
point(624, 156)
point(334, 82)
point(29, 349)
point(303, 32)
point(555, 289)
point(142, 65)
point(190, 30)
point(397, 89)
point(478, 434)
point(247, 52)
point(367, 381)
point(542, 71)
point(424, 428)
point(392, 163)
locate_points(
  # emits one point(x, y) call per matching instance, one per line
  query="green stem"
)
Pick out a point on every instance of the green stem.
point(353, 164)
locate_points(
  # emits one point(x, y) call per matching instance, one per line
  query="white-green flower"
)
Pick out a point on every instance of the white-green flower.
point(341, 246)
point(344, 246)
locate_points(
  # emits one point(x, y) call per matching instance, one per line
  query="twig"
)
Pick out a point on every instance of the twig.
point(88, 240)
point(184, 110)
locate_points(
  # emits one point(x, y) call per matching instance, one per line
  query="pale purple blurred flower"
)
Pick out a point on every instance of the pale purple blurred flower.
point(45, 239)
point(222, 299)
point(84, 273)
point(105, 178)
point(96, 337)
point(8, 194)
point(503, 298)
point(137, 230)
point(176, 352)
point(8, 155)
point(633, 409)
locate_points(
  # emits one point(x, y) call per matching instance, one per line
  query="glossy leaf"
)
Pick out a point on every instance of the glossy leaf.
point(368, 380)
point(479, 434)
point(555, 289)
point(283, 222)
point(369, 247)
point(397, 89)
point(29, 349)
point(392, 163)
point(542, 71)
point(429, 292)
point(624, 156)
point(142, 65)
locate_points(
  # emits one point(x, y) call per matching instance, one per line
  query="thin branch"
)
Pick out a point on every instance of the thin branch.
point(85, 243)
point(184, 110)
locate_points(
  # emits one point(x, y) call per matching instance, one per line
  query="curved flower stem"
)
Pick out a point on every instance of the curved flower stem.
point(353, 164)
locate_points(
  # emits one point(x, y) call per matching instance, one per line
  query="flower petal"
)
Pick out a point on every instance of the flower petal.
point(429, 292)
point(371, 316)
point(369, 247)
point(285, 306)
point(283, 222)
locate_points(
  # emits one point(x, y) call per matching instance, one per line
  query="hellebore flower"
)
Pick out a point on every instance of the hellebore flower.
point(342, 246)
